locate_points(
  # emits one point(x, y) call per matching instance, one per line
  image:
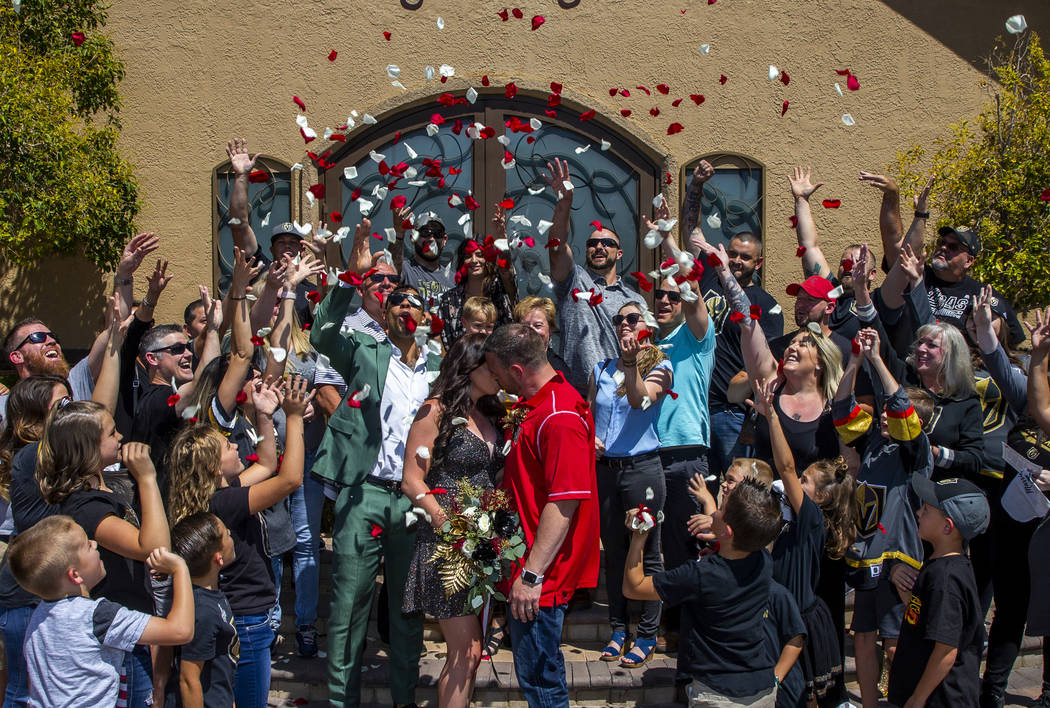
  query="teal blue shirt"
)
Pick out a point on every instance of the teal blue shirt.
point(685, 420)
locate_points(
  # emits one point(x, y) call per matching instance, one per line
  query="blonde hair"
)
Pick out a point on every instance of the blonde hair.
point(477, 305)
point(195, 465)
point(836, 490)
point(830, 364)
point(955, 377)
point(530, 303)
point(40, 556)
point(754, 468)
point(69, 457)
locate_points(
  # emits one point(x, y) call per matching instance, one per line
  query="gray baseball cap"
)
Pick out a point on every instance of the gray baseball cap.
point(961, 500)
point(285, 228)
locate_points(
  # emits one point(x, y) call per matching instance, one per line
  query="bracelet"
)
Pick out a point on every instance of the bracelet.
point(922, 215)
point(144, 302)
point(121, 281)
point(287, 296)
point(242, 297)
point(629, 364)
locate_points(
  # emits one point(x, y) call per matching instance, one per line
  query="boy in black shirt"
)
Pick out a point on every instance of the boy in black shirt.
point(724, 597)
point(942, 636)
point(207, 664)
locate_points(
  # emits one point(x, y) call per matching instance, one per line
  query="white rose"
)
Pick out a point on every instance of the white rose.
point(484, 523)
point(468, 547)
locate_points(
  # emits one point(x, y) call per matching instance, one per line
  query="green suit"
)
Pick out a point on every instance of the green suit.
point(347, 454)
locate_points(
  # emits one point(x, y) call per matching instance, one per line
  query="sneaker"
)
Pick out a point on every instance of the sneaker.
point(306, 638)
point(1043, 701)
point(991, 697)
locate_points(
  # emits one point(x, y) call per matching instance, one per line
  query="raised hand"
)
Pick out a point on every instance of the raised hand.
point(499, 222)
point(276, 272)
point(157, 281)
point(763, 401)
point(237, 150)
point(868, 339)
point(212, 309)
point(910, 264)
point(296, 273)
point(135, 456)
point(1040, 332)
point(880, 182)
point(663, 213)
point(923, 197)
point(243, 272)
point(315, 242)
point(801, 185)
point(630, 346)
point(559, 174)
point(164, 562)
point(862, 266)
point(267, 395)
point(703, 172)
point(297, 396)
point(136, 250)
point(400, 216)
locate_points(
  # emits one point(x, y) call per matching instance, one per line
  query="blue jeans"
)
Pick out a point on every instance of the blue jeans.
point(538, 661)
point(252, 680)
point(277, 563)
point(307, 503)
point(13, 624)
point(725, 429)
point(138, 670)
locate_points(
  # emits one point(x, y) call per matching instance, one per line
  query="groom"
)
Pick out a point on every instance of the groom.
point(550, 477)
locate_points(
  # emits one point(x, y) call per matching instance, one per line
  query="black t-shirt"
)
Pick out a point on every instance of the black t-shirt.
point(133, 377)
point(729, 359)
point(126, 580)
point(944, 608)
point(27, 506)
point(247, 582)
point(725, 601)
point(215, 643)
point(809, 440)
point(783, 622)
point(156, 424)
point(797, 551)
point(951, 302)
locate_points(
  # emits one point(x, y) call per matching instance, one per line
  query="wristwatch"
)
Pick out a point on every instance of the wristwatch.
point(922, 214)
point(531, 579)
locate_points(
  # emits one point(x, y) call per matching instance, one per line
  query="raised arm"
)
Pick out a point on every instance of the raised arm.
point(107, 386)
point(121, 537)
point(262, 308)
point(241, 346)
point(210, 350)
point(266, 399)
point(1038, 388)
point(813, 260)
point(561, 255)
point(852, 423)
point(890, 228)
point(397, 248)
point(691, 215)
point(135, 252)
point(177, 627)
point(281, 334)
point(508, 277)
point(783, 460)
point(360, 259)
point(693, 308)
point(917, 231)
point(653, 386)
point(1012, 382)
point(265, 494)
point(241, 164)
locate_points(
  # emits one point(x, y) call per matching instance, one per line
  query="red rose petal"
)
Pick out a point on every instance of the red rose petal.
point(587, 115)
point(669, 392)
point(843, 72)
point(241, 397)
point(335, 217)
point(676, 102)
point(252, 457)
point(510, 90)
point(306, 139)
point(386, 36)
point(642, 88)
point(340, 138)
point(77, 37)
point(555, 87)
point(257, 340)
point(299, 102)
point(452, 171)
point(597, 225)
point(668, 178)
point(784, 78)
point(356, 194)
point(612, 91)
point(332, 55)
point(410, 324)
point(854, 346)
point(756, 312)
point(800, 251)
point(626, 112)
point(503, 14)
point(625, 93)
point(696, 98)
point(258, 177)
point(794, 221)
point(377, 530)
point(317, 190)
point(644, 334)
point(851, 83)
point(736, 316)
point(831, 203)
point(551, 113)
point(654, 111)
point(172, 400)
point(722, 79)
point(674, 128)
point(847, 265)
point(507, 203)
point(1045, 196)
point(643, 282)
point(537, 21)
point(663, 88)
point(518, 14)
point(783, 109)
point(552, 243)
point(488, 132)
point(713, 260)
point(485, 80)
point(314, 296)
point(471, 202)
point(553, 100)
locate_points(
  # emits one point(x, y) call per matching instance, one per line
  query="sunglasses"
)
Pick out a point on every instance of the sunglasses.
point(607, 242)
point(398, 298)
point(177, 349)
point(671, 295)
point(952, 246)
point(38, 338)
point(380, 277)
point(631, 317)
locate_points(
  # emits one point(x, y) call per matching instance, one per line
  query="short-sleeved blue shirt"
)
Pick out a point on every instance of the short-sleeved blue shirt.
point(686, 420)
point(624, 431)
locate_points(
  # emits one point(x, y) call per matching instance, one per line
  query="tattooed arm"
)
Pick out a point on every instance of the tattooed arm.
point(703, 172)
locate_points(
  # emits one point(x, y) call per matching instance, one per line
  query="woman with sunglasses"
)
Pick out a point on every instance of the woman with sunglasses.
point(625, 395)
point(481, 271)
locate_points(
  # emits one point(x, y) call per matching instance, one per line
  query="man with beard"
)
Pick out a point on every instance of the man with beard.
point(588, 298)
point(551, 481)
point(745, 260)
point(423, 270)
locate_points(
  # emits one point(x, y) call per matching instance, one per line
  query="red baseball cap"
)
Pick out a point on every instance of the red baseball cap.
point(816, 286)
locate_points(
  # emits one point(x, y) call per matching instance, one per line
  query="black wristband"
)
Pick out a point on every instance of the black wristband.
point(922, 215)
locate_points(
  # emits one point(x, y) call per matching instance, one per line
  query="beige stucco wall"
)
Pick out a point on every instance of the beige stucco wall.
point(201, 71)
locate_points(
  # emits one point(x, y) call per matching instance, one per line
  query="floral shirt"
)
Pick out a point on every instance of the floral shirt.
point(450, 309)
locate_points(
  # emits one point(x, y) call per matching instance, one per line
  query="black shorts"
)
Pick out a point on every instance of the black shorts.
point(880, 610)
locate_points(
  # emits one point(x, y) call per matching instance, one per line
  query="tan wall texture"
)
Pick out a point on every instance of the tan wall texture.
point(201, 71)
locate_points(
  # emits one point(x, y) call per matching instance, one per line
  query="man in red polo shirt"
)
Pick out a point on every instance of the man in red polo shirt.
point(550, 476)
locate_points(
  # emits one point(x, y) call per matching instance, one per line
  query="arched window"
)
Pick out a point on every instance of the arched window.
point(732, 200)
point(269, 203)
point(611, 185)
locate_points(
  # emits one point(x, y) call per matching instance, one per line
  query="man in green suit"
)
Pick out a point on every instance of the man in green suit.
point(362, 453)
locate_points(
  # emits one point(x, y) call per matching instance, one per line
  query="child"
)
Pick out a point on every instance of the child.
point(942, 636)
point(479, 315)
point(208, 662)
point(785, 636)
point(75, 646)
point(724, 596)
point(741, 468)
point(80, 440)
point(822, 504)
point(887, 536)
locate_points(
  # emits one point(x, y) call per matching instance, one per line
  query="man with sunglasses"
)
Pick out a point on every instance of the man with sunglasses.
point(423, 269)
point(587, 297)
point(362, 454)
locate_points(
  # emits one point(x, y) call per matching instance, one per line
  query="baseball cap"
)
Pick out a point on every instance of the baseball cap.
point(961, 501)
point(285, 228)
point(968, 238)
point(817, 286)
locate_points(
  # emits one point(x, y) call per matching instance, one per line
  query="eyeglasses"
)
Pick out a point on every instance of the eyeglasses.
point(397, 298)
point(177, 349)
point(392, 278)
point(671, 295)
point(607, 242)
point(631, 317)
point(38, 338)
point(952, 246)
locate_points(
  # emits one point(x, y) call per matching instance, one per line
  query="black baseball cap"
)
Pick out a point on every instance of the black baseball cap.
point(967, 237)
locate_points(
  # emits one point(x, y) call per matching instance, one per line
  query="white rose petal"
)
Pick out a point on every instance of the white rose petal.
point(278, 354)
point(297, 167)
point(652, 239)
point(848, 119)
point(447, 71)
point(459, 421)
point(666, 224)
point(503, 140)
point(377, 157)
point(303, 229)
point(365, 205)
point(462, 221)
point(774, 73)
point(368, 119)
point(536, 190)
point(649, 494)
point(582, 149)
point(393, 71)
point(266, 219)
point(838, 89)
point(432, 129)
point(535, 123)
point(1016, 24)
point(350, 172)
point(234, 221)
point(506, 448)
point(544, 226)
point(714, 221)
point(441, 23)
point(646, 402)
point(398, 84)
point(472, 95)
point(423, 452)
point(341, 234)
point(428, 73)
point(658, 201)
point(705, 48)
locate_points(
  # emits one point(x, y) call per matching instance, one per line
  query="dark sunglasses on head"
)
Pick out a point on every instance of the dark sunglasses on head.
point(671, 295)
point(631, 317)
point(380, 277)
point(177, 349)
point(38, 338)
point(398, 298)
point(607, 242)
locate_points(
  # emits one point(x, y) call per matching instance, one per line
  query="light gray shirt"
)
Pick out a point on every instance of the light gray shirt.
point(429, 283)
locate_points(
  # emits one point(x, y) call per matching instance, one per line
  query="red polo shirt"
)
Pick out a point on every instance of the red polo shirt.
point(552, 460)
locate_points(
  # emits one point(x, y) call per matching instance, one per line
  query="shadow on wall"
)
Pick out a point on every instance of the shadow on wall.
point(66, 293)
point(970, 27)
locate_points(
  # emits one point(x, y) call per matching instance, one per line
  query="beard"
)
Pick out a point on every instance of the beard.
point(37, 363)
point(939, 264)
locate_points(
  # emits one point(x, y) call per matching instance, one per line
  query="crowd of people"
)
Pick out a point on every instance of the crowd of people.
point(741, 479)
